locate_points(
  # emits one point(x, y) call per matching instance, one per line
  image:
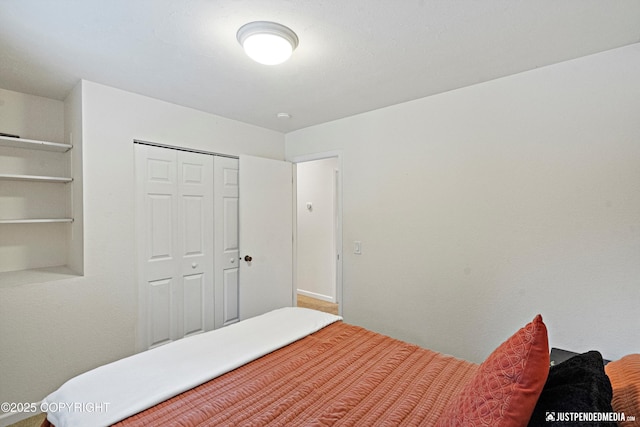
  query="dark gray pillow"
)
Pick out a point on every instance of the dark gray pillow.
point(578, 384)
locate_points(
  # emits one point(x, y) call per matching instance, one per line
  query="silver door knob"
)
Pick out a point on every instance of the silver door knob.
point(194, 265)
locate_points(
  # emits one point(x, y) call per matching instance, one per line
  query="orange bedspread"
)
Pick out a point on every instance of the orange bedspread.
point(340, 375)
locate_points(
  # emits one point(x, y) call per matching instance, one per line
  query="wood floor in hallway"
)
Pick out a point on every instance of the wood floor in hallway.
point(316, 304)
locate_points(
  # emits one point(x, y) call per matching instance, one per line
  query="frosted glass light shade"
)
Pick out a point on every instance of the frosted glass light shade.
point(266, 42)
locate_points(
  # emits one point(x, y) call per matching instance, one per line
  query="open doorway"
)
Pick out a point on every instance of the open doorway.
point(318, 234)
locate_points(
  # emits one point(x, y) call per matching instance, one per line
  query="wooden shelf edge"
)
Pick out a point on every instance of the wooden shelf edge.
point(36, 178)
point(35, 220)
point(32, 144)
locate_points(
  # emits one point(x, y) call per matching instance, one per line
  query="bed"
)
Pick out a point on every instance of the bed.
point(298, 366)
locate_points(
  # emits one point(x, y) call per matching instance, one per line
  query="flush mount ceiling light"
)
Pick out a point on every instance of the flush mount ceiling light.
point(266, 42)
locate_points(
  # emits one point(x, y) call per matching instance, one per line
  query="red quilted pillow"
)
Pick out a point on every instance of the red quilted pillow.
point(506, 387)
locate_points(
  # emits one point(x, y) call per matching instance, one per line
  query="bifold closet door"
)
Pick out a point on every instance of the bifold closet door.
point(174, 223)
point(227, 261)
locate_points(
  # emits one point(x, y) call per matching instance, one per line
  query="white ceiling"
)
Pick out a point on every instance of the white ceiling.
point(354, 55)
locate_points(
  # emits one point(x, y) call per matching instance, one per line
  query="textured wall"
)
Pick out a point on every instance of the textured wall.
point(480, 207)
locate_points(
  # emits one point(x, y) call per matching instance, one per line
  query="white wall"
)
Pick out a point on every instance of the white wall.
point(52, 331)
point(480, 207)
point(31, 117)
point(73, 131)
point(315, 251)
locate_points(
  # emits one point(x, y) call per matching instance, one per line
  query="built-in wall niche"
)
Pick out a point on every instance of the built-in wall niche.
point(35, 210)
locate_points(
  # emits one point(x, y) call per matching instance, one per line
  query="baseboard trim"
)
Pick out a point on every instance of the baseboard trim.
point(316, 296)
point(9, 418)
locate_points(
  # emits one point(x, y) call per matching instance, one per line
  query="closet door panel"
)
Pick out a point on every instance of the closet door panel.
point(226, 240)
point(160, 317)
point(231, 296)
point(174, 223)
point(195, 191)
point(194, 304)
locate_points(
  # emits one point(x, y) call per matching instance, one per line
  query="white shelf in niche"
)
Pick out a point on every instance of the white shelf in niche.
point(35, 220)
point(51, 165)
point(32, 144)
point(36, 178)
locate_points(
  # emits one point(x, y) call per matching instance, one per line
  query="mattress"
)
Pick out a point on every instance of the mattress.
point(339, 375)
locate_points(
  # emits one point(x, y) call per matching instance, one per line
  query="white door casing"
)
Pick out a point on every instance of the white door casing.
point(227, 260)
point(174, 223)
point(266, 235)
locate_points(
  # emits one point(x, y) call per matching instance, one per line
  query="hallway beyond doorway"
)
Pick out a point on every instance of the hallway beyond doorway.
point(317, 304)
